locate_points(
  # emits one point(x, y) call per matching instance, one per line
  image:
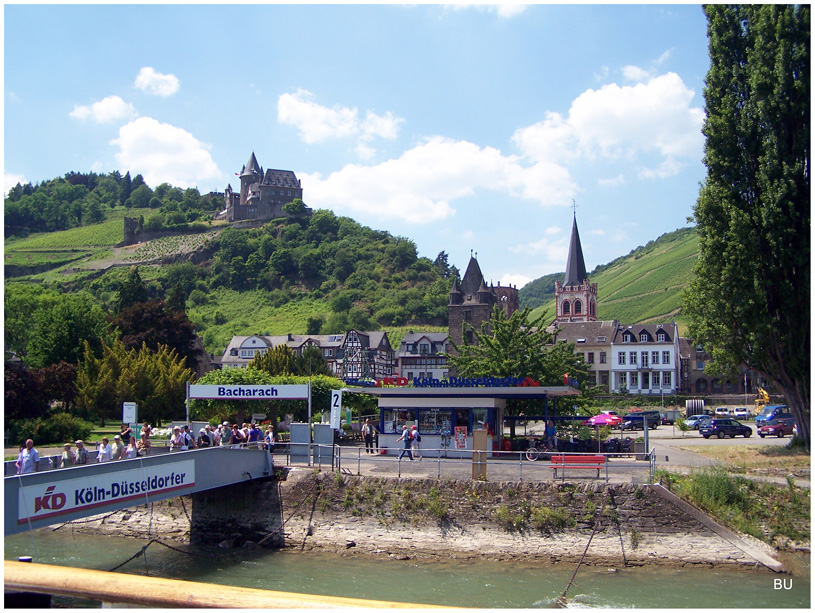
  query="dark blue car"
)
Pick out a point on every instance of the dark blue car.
point(725, 426)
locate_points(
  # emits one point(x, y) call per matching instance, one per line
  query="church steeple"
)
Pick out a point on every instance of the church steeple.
point(575, 265)
point(575, 298)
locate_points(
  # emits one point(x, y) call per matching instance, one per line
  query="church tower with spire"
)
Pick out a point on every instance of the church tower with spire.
point(576, 298)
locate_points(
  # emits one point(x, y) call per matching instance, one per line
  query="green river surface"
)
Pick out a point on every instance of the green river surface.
point(473, 584)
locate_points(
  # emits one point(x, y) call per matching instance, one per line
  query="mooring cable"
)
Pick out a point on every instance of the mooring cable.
point(561, 600)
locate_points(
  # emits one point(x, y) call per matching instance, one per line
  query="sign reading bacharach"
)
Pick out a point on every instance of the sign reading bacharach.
point(96, 491)
point(249, 392)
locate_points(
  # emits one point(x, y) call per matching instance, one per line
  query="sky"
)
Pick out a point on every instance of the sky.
point(468, 129)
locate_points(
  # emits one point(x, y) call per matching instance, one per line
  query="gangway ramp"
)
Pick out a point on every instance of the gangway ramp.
point(41, 499)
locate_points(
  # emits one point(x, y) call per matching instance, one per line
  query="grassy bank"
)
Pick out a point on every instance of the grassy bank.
point(750, 460)
point(772, 513)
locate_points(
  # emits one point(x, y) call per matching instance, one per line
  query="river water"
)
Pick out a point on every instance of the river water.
point(476, 584)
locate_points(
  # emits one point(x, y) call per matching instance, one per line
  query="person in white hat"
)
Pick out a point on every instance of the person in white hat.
point(118, 448)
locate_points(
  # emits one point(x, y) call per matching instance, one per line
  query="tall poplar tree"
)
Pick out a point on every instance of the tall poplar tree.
point(749, 300)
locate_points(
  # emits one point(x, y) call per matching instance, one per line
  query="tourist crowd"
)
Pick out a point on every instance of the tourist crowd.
point(127, 446)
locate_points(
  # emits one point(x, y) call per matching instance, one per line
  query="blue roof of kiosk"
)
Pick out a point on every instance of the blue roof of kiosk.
point(466, 392)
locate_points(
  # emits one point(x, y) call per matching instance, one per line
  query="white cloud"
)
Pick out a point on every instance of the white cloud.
point(668, 168)
point(502, 10)
point(106, 110)
point(634, 73)
point(620, 122)
point(612, 181)
point(10, 180)
point(420, 185)
point(384, 126)
point(317, 123)
point(514, 279)
point(164, 153)
point(156, 83)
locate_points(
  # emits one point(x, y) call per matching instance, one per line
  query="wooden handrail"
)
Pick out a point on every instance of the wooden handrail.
point(167, 593)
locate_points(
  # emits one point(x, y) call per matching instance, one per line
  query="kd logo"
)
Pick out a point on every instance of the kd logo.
point(49, 501)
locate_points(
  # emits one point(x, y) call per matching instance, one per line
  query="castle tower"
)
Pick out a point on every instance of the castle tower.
point(576, 298)
point(252, 173)
point(472, 302)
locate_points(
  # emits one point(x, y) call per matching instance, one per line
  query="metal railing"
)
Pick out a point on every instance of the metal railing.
point(503, 465)
point(509, 465)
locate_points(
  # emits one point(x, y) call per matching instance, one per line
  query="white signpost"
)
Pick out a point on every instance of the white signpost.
point(130, 413)
point(249, 392)
point(336, 409)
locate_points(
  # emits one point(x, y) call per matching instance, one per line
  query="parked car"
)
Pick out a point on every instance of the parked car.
point(603, 419)
point(697, 421)
point(670, 416)
point(721, 411)
point(773, 411)
point(741, 413)
point(634, 421)
point(725, 426)
point(777, 427)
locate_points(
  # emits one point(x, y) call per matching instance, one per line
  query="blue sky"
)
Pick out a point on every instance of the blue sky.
point(461, 127)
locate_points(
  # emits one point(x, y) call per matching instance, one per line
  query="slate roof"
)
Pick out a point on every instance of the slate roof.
point(575, 265)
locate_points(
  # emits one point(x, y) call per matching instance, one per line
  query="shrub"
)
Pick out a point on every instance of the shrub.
point(545, 518)
point(54, 429)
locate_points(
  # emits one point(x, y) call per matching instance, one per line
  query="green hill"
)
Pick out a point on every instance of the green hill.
point(319, 274)
point(644, 286)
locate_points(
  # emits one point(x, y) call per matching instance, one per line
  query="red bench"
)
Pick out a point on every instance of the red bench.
point(591, 462)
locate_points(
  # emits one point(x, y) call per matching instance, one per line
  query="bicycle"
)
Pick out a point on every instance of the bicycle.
point(533, 452)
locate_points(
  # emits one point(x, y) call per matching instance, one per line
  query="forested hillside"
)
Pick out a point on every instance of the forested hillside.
point(318, 274)
point(85, 199)
point(305, 274)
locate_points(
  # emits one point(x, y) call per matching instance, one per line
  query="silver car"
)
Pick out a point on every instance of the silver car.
point(697, 421)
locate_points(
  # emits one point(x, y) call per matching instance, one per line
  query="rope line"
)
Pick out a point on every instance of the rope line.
point(296, 507)
point(561, 600)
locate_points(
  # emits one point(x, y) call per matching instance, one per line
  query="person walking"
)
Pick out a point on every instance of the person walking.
point(407, 441)
point(368, 431)
point(104, 453)
point(29, 459)
point(415, 438)
point(81, 455)
point(270, 439)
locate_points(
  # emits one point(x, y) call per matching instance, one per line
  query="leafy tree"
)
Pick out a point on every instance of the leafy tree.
point(177, 299)
point(278, 360)
point(515, 347)
point(311, 362)
point(58, 332)
point(295, 209)
point(24, 398)
point(507, 347)
point(154, 323)
point(132, 290)
point(313, 325)
point(21, 303)
point(57, 383)
point(155, 380)
point(749, 301)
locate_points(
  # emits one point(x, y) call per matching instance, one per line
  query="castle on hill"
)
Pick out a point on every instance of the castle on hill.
point(262, 194)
